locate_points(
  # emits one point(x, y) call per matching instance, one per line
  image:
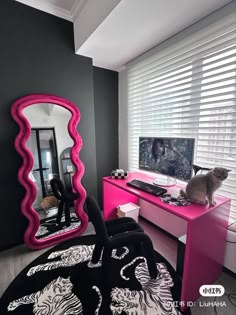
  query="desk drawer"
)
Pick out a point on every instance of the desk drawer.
point(165, 220)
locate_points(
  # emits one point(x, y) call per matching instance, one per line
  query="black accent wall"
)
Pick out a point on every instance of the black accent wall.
point(37, 56)
point(106, 123)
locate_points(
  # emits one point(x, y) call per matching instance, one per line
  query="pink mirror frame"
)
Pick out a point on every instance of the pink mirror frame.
point(27, 164)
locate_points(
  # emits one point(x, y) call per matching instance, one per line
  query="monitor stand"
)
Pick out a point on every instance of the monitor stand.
point(163, 180)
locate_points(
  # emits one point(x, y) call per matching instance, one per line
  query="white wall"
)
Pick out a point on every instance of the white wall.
point(123, 121)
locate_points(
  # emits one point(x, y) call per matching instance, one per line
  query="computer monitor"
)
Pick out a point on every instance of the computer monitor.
point(171, 158)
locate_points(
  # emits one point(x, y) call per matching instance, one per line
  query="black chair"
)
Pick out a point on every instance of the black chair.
point(66, 200)
point(116, 234)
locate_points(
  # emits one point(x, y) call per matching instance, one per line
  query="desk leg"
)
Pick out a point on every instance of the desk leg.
point(113, 197)
point(204, 252)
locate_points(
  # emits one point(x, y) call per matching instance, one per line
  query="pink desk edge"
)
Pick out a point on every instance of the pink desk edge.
point(188, 213)
point(206, 230)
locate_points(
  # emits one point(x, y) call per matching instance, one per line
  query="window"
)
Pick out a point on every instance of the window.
point(189, 90)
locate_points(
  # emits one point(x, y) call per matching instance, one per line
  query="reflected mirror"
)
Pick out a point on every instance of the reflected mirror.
point(48, 139)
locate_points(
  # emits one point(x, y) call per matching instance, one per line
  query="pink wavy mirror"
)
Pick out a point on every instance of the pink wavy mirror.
point(49, 144)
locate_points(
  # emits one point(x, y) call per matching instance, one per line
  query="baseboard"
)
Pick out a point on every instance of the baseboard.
point(228, 271)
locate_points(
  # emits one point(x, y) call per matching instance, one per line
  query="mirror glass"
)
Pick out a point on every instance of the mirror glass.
point(50, 144)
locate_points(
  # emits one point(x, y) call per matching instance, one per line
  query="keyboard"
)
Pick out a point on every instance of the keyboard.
point(149, 188)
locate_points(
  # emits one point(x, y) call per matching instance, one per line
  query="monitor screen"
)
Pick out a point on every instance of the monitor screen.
point(168, 156)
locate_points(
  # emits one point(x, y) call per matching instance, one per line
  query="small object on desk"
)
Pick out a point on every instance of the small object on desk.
point(165, 181)
point(173, 201)
point(197, 168)
point(119, 174)
point(149, 188)
point(128, 210)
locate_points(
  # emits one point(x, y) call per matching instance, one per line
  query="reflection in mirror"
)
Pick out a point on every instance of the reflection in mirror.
point(48, 142)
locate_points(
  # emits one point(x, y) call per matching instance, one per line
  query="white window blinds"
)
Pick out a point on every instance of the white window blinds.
point(189, 90)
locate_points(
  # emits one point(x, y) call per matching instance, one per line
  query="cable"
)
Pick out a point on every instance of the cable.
point(215, 311)
point(231, 224)
point(230, 295)
point(229, 230)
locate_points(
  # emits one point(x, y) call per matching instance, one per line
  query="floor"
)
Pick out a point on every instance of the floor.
point(50, 213)
point(163, 244)
point(47, 214)
point(226, 304)
point(13, 261)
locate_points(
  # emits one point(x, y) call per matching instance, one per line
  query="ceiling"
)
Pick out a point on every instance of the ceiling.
point(65, 9)
point(116, 31)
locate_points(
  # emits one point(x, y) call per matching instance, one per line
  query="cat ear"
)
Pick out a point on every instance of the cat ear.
point(228, 171)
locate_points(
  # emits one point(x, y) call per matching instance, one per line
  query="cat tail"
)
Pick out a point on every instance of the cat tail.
point(182, 193)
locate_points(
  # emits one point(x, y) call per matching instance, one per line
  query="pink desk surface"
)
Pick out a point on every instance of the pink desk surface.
point(189, 213)
point(206, 230)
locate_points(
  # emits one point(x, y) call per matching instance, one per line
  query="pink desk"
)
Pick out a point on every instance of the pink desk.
point(206, 230)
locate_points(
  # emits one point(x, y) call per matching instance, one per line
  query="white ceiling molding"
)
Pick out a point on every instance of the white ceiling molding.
point(114, 32)
point(135, 26)
point(49, 7)
point(77, 8)
point(90, 18)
